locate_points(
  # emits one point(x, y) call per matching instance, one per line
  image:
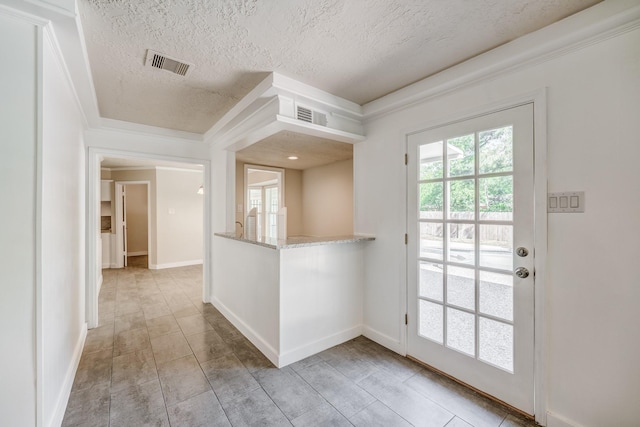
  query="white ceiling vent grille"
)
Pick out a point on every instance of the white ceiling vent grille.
point(311, 116)
point(305, 114)
point(164, 62)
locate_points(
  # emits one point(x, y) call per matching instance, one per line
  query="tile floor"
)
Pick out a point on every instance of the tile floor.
point(160, 357)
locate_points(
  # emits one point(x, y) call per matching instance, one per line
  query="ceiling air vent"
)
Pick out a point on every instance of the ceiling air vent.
point(164, 62)
point(305, 114)
point(311, 116)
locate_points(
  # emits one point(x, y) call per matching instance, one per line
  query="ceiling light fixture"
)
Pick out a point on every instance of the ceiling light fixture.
point(292, 157)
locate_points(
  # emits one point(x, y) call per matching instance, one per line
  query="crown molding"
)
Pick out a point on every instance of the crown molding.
point(591, 26)
point(145, 168)
point(37, 12)
point(173, 168)
point(112, 125)
point(130, 168)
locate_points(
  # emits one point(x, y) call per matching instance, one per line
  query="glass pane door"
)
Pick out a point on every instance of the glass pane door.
point(255, 201)
point(271, 214)
point(470, 204)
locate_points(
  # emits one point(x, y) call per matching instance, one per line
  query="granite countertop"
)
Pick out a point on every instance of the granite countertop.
point(296, 241)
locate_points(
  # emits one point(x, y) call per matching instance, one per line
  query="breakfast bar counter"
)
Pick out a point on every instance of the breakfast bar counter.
point(296, 241)
point(291, 298)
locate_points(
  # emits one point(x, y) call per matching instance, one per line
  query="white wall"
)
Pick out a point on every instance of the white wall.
point(320, 298)
point(179, 212)
point(293, 201)
point(592, 293)
point(18, 121)
point(221, 193)
point(63, 225)
point(254, 310)
point(327, 199)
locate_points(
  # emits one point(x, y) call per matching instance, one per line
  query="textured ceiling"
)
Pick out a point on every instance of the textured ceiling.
point(357, 49)
point(311, 151)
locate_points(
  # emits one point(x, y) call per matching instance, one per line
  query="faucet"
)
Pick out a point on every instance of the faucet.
point(241, 226)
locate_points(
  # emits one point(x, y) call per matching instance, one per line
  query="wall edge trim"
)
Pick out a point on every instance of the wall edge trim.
point(51, 38)
point(175, 264)
point(384, 340)
point(317, 346)
point(65, 393)
point(138, 253)
point(555, 420)
point(260, 343)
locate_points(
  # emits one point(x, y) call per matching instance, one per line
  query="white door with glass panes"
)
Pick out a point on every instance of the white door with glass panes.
point(265, 200)
point(271, 211)
point(255, 201)
point(470, 252)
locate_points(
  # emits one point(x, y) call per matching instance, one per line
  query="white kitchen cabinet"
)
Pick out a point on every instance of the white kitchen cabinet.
point(105, 190)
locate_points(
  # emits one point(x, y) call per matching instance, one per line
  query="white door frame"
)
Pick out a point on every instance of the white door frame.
point(92, 204)
point(539, 100)
point(150, 250)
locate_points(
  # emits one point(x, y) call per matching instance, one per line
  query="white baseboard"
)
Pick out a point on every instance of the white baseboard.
point(315, 347)
point(384, 340)
point(139, 253)
point(65, 391)
point(175, 264)
point(282, 360)
point(555, 420)
point(262, 345)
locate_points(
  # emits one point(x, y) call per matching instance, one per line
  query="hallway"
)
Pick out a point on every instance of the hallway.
point(161, 357)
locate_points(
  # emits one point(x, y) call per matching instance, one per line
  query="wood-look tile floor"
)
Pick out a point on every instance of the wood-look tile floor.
point(160, 357)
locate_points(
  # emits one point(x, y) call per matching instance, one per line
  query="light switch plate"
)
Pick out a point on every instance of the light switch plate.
point(567, 202)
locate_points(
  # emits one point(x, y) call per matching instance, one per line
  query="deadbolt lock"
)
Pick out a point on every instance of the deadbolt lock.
point(522, 252)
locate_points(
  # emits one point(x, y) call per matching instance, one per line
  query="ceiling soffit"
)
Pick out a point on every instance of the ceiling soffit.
point(311, 151)
point(279, 103)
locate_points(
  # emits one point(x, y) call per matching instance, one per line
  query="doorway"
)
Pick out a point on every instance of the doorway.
point(133, 221)
point(100, 163)
point(470, 255)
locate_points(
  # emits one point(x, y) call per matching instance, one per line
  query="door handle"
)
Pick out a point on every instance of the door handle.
point(522, 272)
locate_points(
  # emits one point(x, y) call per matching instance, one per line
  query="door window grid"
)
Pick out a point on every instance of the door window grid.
point(271, 195)
point(255, 201)
point(445, 220)
point(267, 197)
